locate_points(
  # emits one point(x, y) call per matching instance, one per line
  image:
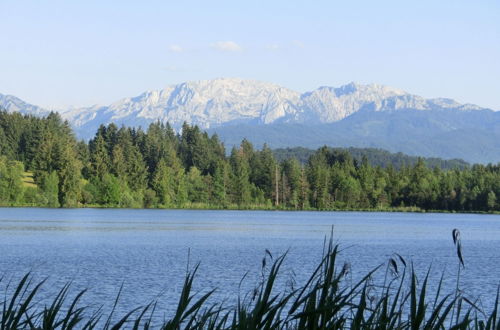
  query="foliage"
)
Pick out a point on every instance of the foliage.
point(11, 174)
point(376, 157)
point(127, 167)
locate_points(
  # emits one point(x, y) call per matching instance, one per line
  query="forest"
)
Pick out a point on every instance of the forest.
point(376, 157)
point(43, 164)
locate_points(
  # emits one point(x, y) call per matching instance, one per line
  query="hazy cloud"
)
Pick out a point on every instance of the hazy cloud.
point(298, 43)
point(273, 47)
point(227, 46)
point(175, 48)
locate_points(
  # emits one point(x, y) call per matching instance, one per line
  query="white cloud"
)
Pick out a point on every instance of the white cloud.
point(273, 47)
point(227, 46)
point(298, 43)
point(175, 48)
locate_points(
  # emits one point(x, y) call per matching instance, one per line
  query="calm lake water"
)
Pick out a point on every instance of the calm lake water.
point(148, 251)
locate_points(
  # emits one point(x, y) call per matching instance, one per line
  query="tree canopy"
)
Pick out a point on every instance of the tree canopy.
point(157, 167)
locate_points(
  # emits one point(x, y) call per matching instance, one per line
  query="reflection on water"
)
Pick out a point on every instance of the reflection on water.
point(147, 250)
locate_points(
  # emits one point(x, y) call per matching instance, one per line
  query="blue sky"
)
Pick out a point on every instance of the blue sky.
point(60, 53)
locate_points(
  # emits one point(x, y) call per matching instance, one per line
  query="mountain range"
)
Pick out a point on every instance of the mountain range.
point(351, 115)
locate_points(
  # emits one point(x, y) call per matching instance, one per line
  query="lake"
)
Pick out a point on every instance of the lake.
point(148, 251)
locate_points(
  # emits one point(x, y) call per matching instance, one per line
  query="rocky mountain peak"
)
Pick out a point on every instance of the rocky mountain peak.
point(223, 101)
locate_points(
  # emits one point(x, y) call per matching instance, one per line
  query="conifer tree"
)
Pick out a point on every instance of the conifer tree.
point(164, 184)
point(240, 185)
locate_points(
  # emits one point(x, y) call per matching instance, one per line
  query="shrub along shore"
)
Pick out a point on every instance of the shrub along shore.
point(42, 164)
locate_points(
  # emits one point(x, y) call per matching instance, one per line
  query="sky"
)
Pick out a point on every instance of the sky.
point(57, 54)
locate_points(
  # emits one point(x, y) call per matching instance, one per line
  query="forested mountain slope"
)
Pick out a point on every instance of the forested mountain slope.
point(473, 136)
point(376, 157)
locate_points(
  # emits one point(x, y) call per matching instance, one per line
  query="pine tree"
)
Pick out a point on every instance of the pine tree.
point(240, 187)
point(99, 158)
point(219, 184)
point(196, 187)
point(69, 177)
point(164, 184)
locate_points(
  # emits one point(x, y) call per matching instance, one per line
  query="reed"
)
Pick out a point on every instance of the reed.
point(327, 300)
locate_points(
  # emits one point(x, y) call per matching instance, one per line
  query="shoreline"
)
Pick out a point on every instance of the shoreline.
point(270, 209)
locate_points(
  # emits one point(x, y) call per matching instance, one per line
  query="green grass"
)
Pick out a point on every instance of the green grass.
point(28, 180)
point(327, 300)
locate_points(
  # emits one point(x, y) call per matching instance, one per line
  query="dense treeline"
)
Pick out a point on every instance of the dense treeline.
point(376, 157)
point(128, 167)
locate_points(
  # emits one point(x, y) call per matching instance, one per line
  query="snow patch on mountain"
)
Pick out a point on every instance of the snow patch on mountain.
point(14, 104)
